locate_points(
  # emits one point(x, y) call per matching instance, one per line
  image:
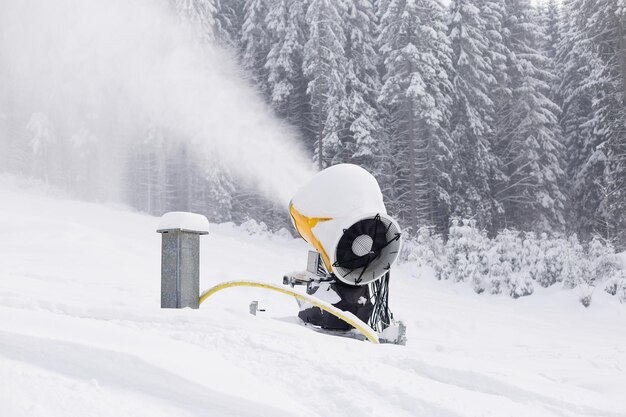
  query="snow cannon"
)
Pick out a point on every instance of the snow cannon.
point(340, 212)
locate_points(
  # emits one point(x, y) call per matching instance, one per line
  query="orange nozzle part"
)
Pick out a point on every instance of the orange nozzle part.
point(304, 226)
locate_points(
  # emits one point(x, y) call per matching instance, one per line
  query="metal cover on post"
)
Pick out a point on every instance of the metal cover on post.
point(180, 258)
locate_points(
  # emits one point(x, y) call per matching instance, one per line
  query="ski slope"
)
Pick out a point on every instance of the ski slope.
point(82, 334)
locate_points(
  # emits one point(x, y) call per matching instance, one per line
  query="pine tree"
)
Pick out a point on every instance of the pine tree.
point(553, 31)
point(200, 14)
point(547, 17)
point(255, 44)
point(144, 170)
point(325, 68)
point(363, 124)
point(41, 144)
point(416, 92)
point(214, 191)
point(606, 29)
point(493, 15)
point(229, 15)
point(472, 113)
point(528, 146)
point(152, 171)
point(83, 145)
point(592, 65)
point(286, 27)
point(573, 64)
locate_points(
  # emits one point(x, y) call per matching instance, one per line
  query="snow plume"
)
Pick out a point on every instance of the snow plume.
point(84, 81)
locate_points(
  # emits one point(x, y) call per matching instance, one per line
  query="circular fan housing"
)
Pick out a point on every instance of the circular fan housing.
point(367, 249)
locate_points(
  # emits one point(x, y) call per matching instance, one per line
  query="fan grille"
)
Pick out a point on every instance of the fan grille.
point(366, 250)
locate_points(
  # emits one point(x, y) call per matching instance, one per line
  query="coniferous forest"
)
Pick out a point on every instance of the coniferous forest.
point(491, 109)
point(508, 113)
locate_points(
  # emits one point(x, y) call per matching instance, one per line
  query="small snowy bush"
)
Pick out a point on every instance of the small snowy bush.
point(511, 263)
point(617, 286)
point(533, 259)
point(574, 261)
point(426, 249)
point(553, 260)
point(252, 227)
point(603, 262)
point(586, 269)
point(506, 266)
point(466, 254)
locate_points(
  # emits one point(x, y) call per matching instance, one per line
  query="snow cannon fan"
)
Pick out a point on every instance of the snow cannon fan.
point(340, 212)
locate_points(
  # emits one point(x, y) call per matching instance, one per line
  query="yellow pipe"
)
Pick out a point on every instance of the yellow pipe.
point(350, 319)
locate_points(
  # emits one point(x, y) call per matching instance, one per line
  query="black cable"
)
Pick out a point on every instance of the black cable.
point(379, 296)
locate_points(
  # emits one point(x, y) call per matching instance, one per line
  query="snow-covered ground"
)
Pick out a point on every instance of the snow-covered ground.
point(82, 334)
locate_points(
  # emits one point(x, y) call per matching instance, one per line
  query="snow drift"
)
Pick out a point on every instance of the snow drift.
point(81, 333)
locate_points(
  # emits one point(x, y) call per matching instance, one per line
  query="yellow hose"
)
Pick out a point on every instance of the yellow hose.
point(349, 318)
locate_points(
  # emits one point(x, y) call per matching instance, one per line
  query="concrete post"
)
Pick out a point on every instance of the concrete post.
point(180, 258)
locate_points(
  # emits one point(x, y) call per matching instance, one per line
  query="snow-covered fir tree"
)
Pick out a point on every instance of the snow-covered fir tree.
point(606, 29)
point(41, 144)
point(83, 144)
point(147, 165)
point(215, 192)
point(229, 16)
point(591, 61)
point(255, 44)
point(472, 112)
point(325, 69)
point(200, 14)
point(528, 143)
point(454, 114)
point(287, 30)
point(547, 17)
point(416, 93)
point(573, 63)
point(493, 13)
point(363, 120)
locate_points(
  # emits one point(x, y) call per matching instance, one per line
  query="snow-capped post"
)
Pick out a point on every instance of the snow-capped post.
point(180, 258)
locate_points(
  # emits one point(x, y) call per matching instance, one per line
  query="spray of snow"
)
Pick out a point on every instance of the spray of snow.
point(121, 65)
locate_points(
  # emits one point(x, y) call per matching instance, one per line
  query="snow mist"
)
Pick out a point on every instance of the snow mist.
point(100, 71)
